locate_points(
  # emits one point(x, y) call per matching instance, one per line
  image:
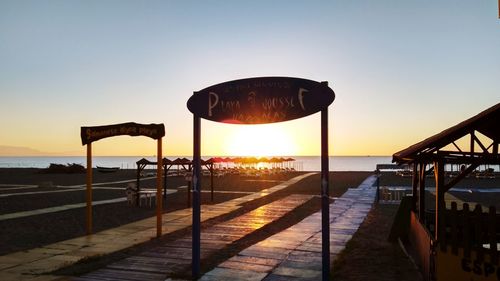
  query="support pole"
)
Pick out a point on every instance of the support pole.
point(188, 201)
point(377, 173)
point(212, 182)
point(165, 171)
point(89, 189)
point(138, 184)
point(159, 203)
point(421, 192)
point(439, 225)
point(325, 202)
point(196, 197)
point(414, 185)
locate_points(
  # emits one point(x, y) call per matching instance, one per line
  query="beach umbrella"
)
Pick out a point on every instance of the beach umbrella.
point(228, 160)
point(263, 160)
point(274, 161)
point(245, 161)
point(238, 160)
point(217, 159)
point(143, 161)
point(177, 161)
point(166, 161)
point(253, 160)
point(281, 161)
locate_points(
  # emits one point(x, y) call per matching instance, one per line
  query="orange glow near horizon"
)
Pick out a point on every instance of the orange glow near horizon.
point(259, 141)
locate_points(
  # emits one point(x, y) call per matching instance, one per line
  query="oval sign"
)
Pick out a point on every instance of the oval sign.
point(261, 100)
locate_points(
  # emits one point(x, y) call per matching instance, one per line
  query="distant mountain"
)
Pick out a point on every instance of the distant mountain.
point(7, 150)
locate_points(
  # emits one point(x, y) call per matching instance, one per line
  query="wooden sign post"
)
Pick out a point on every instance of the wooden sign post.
point(89, 189)
point(261, 100)
point(91, 134)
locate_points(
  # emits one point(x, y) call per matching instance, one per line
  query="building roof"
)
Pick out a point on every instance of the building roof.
point(486, 123)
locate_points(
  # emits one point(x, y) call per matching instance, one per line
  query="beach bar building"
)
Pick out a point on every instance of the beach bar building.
point(454, 242)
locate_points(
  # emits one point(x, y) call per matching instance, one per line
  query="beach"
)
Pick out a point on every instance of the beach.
point(36, 230)
point(26, 189)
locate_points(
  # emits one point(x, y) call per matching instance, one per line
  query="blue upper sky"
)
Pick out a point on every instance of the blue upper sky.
point(401, 70)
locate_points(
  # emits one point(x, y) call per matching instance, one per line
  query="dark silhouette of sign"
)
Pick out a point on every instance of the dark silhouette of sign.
point(261, 100)
point(91, 134)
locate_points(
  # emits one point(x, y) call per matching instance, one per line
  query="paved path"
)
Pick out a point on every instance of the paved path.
point(66, 207)
point(295, 253)
point(174, 258)
point(31, 264)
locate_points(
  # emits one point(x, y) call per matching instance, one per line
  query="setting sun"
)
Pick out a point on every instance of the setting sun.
point(259, 141)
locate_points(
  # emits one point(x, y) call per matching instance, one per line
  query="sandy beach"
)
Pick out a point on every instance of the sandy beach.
point(23, 190)
point(33, 231)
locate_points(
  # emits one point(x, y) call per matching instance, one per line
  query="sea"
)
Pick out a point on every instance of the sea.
point(301, 163)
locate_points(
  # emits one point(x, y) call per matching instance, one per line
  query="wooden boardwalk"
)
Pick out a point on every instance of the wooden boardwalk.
point(174, 258)
point(34, 264)
point(295, 253)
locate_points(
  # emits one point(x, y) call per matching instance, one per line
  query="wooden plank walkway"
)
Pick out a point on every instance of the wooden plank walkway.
point(295, 253)
point(34, 263)
point(174, 258)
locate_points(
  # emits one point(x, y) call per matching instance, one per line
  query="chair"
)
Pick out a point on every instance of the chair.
point(131, 192)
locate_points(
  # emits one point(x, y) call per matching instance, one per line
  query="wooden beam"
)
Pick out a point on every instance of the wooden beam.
point(485, 150)
point(456, 146)
point(460, 176)
point(453, 157)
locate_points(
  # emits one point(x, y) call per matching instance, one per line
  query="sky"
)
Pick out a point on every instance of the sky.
point(401, 71)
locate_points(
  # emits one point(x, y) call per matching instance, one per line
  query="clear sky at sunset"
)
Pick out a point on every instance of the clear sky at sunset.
point(401, 71)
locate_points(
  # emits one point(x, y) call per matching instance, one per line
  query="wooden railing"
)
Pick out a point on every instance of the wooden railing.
point(472, 230)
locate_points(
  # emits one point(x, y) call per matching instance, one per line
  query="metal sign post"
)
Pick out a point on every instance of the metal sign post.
point(325, 198)
point(261, 100)
point(196, 197)
point(159, 202)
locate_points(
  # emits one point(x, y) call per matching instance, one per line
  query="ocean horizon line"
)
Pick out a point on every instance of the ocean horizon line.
point(301, 163)
point(187, 155)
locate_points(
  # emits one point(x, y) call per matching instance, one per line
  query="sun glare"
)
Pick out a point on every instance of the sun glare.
point(260, 141)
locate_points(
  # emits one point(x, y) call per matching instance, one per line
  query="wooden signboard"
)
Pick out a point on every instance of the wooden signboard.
point(261, 100)
point(95, 133)
point(91, 134)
